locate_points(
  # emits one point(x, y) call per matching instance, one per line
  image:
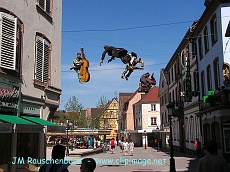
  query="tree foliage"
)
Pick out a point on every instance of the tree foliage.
point(75, 113)
point(101, 106)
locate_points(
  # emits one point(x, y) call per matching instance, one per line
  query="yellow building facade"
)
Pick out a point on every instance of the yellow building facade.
point(108, 119)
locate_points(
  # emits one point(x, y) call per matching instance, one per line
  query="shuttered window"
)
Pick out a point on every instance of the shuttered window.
point(42, 59)
point(10, 42)
point(45, 5)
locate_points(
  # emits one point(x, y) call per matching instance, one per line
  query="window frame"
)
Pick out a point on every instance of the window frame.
point(153, 121)
point(43, 7)
point(206, 40)
point(209, 77)
point(216, 72)
point(202, 76)
point(47, 63)
point(213, 27)
point(15, 67)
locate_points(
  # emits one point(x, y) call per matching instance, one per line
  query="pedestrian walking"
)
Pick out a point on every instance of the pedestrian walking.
point(197, 144)
point(126, 147)
point(212, 162)
point(112, 144)
point(121, 146)
point(131, 147)
point(160, 144)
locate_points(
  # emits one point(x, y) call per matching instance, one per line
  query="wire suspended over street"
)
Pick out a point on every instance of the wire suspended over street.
point(112, 68)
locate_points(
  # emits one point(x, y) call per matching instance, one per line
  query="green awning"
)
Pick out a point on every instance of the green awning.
point(39, 121)
point(14, 119)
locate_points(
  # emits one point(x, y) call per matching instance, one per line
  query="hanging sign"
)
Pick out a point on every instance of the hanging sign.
point(9, 97)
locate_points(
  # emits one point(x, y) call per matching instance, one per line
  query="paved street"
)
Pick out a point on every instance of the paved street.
point(143, 160)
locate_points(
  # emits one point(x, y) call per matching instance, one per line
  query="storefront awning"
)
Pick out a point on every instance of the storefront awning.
point(39, 121)
point(22, 125)
point(15, 119)
point(5, 127)
point(51, 127)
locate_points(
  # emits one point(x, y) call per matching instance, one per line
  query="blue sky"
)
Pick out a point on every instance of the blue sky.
point(153, 29)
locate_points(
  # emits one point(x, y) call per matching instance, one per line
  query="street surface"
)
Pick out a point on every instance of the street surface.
point(143, 160)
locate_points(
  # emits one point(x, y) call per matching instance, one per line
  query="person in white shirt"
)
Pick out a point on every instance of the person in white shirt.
point(131, 147)
point(126, 147)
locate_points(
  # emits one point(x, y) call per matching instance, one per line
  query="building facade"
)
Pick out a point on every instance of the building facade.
point(213, 66)
point(30, 70)
point(147, 119)
point(197, 77)
point(108, 119)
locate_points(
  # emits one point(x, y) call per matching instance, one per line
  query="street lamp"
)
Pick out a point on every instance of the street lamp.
point(157, 138)
point(145, 138)
point(170, 107)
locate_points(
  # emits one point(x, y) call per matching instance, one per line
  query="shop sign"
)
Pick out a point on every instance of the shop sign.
point(5, 128)
point(56, 129)
point(9, 97)
point(30, 109)
point(186, 63)
point(22, 128)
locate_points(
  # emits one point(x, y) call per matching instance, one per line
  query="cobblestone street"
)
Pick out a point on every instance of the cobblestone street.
point(143, 160)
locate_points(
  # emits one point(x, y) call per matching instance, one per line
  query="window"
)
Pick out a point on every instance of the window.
point(10, 42)
point(153, 121)
point(200, 47)
point(197, 121)
point(106, 121)
point(186, 129)
point(195, 81)
point(209, 78)
point(213, 25)
point(206, 44)
point(45, 5)
point(194, 50)
point(172, 73)
point(202, 83)
point(216, 73)
point(153, 107)
point(114, 105)
point(42, 63)
point(111, 114)
point(191, 122)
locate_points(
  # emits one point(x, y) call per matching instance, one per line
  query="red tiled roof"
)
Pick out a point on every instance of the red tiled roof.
point(138, 90)
point(151, 95)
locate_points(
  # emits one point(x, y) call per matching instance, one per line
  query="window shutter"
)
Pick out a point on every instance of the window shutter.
point(46, 61)
point(39, 59)
point(8, 26)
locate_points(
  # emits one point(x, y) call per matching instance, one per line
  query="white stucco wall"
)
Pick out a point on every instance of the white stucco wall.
point(34, 22)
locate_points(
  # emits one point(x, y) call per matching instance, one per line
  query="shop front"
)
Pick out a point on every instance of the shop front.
point(18, 137)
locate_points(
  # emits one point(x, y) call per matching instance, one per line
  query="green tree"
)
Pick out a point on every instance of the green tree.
point(75, 113)
point(101, 106)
